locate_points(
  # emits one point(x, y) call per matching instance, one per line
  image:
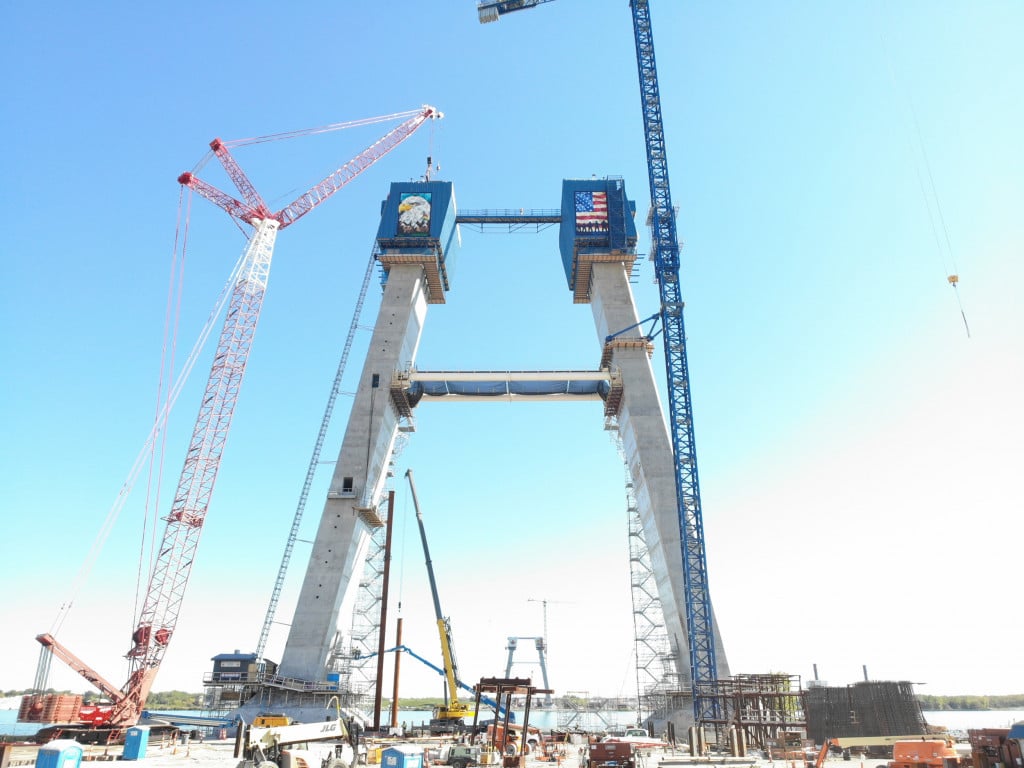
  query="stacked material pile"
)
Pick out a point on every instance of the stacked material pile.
point(50, 708)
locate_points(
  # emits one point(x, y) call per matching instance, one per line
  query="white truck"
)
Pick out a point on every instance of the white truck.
point(300, 745)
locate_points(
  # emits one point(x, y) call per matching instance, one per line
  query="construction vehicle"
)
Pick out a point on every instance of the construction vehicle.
point(299, 745)
point(921, 751)
point(449, 718)
point(175, 555)
point(925, 753)
point(459, 755)
point(468, 688)
point(509, 741)
point(997, 747)
point(270, 719)
point(606, 754)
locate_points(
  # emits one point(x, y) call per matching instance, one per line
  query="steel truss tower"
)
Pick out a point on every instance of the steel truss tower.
point(699, 620)
point(700, 624)
point(658, 676)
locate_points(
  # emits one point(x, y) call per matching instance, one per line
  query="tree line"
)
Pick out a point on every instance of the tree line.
point(163, 700)
point(962, 703)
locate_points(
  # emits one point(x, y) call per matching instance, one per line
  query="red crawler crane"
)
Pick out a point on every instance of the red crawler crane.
point(192, 498)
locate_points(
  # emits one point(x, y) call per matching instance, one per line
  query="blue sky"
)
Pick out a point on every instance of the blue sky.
point(858, 453)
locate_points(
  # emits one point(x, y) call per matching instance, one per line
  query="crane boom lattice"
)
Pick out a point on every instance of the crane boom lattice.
point(665, 247)
point(699, 620)
point(177, 550)
point(202, 461)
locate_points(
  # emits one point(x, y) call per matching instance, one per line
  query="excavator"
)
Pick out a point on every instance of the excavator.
point(921, 751)
point(449, 718)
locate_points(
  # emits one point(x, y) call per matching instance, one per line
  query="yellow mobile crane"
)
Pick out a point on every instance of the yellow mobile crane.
point(450, 717)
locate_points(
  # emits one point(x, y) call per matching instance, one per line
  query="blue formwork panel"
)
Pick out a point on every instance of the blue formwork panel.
point(62, 753)
point(136, 739)
point(402, 756)
point(418, 217)
point(597, 218)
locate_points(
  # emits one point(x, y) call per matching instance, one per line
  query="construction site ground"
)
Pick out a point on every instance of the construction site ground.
point(220, 753)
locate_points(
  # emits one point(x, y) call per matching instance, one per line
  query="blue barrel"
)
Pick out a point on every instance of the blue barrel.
point(136, 739)
point(62, 753)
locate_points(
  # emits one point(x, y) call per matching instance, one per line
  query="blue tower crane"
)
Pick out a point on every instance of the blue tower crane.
point(665, 244)
point(490, 11)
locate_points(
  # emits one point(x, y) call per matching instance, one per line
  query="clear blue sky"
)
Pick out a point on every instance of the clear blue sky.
point(859, 455)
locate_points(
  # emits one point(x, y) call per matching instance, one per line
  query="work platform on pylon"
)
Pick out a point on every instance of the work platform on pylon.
point(415, 243)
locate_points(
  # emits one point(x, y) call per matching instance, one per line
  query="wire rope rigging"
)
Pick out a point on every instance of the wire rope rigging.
point(184, 522)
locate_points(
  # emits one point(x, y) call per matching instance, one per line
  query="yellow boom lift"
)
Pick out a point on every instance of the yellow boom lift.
point(451, 716)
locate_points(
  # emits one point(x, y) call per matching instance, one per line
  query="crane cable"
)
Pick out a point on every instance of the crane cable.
point(330, 127)
point(921, 154)
point(141, 458)
point(172, 319)
point(323, 129)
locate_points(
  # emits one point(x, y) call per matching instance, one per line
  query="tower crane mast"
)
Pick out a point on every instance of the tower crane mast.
point(699, 619)
point(191, 501)
point(665, 244)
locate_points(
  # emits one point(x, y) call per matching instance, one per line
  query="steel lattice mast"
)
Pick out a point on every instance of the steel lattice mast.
point(178, 546)
point(699, 620)
point(202, 461)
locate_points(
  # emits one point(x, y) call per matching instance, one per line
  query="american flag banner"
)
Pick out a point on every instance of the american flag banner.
point(591, 211)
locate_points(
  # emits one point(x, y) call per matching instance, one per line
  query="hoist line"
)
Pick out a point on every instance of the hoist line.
point(172, 314)
point(322, 129)
point(143, 454)
point(920, 154)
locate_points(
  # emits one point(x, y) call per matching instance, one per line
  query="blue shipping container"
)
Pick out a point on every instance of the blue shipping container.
point(402, 756)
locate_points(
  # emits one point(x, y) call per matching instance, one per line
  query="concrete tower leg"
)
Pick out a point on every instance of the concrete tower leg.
point(648, 449)
point(339, 552)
